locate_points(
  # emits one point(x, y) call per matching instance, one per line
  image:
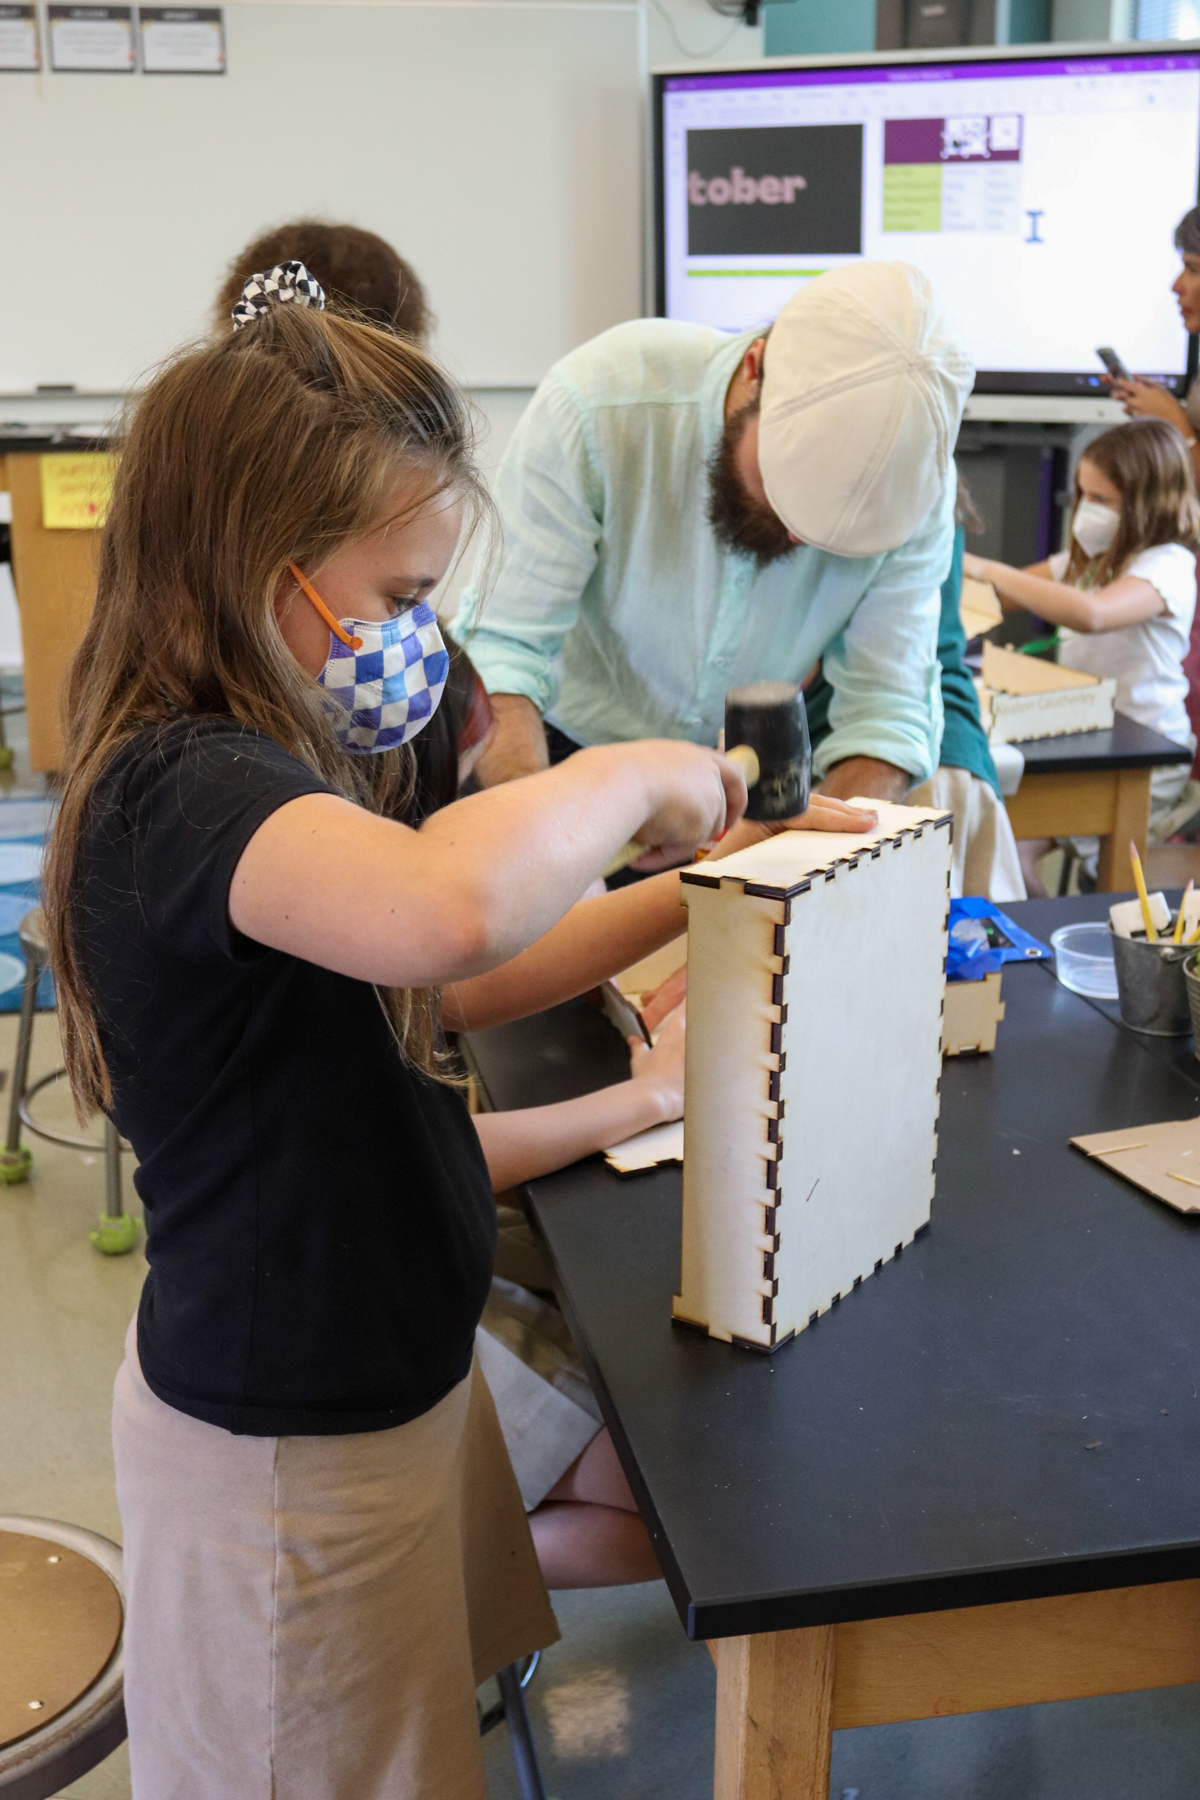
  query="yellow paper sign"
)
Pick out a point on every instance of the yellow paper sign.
point(77, 490)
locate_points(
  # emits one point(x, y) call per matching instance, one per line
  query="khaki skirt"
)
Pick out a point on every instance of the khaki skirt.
point(308, 1617)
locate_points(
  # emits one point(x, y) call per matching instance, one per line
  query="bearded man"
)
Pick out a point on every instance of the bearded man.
point(684, 512)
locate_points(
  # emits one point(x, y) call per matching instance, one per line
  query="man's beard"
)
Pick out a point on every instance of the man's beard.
point(738, 521)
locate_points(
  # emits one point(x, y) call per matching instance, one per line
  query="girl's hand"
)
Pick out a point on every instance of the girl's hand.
point(665, 998)
point(1147, 399)
point(695, 795)
point(975, 568)
point(661, 1069)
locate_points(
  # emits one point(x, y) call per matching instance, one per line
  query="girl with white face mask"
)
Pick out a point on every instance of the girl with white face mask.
point(1124, 592)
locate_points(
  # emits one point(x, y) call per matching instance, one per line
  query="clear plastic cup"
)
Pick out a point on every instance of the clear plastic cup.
point(1083, 960)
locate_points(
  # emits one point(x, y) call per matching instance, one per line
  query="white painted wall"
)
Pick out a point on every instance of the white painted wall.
point(496, 142)
point(685, 31)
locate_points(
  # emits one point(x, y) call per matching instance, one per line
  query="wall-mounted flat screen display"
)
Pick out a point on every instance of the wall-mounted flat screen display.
point(1039, 193)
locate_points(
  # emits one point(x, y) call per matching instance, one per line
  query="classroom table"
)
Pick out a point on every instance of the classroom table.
point(975, 1482)
point(1093, 784)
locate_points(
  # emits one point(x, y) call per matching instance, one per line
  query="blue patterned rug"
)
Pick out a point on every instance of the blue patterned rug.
point(23, 828)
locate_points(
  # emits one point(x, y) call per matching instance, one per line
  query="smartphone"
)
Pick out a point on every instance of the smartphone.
point(1113, 363)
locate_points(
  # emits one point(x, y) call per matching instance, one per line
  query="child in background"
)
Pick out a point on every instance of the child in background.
point(249, 954)
point(359, 271)
point(582, 1514)
point(1124, 591)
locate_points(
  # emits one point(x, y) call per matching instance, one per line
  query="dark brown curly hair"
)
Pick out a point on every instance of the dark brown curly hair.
point(361, 274)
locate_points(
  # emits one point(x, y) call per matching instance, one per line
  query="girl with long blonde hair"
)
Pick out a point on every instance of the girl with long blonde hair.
point(249, 949)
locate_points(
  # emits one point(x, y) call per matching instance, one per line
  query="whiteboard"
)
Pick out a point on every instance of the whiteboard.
point(497, 146)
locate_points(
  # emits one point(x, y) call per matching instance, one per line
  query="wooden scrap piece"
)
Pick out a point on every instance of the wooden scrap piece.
point(978, 607)
point(660, 1144)
point(971, 1014)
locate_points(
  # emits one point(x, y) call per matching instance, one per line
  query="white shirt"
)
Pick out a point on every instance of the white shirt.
point(1146, 659)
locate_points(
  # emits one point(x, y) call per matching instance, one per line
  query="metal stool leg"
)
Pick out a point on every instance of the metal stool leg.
point(117, 1231)
point(16, 1160)
point(520, 1734)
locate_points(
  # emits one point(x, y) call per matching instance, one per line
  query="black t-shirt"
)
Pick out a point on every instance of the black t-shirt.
point(320, 1223)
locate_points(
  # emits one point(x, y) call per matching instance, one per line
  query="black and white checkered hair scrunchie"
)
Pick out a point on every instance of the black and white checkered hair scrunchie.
point(287, 283)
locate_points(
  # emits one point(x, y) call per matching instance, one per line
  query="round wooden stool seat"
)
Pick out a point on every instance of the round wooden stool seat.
point(61, 1691)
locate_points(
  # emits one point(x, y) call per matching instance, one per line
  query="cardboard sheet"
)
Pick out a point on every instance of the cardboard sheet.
point(662, 1143)
point(1163, 1160)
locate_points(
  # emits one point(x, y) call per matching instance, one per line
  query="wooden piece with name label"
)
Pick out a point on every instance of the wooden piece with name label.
point(1022, 697)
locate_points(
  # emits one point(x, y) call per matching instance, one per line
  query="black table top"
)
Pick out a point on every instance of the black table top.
point(925, 1444)
point(1127, 746)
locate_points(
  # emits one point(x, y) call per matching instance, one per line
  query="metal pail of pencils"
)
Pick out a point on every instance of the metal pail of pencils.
point(1151, 987)
point(1191, 976)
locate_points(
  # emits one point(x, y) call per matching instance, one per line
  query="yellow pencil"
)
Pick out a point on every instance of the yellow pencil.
point(1143, 896)
point(1177, 934)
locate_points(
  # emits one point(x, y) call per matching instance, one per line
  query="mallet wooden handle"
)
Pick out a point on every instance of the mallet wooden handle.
point(747, 761)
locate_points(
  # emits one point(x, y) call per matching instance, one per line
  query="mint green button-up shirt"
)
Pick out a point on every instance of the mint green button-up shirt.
point(616, 611)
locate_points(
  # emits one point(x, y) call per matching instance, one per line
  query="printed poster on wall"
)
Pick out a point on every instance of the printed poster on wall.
point(20, 46)
point(182, 40)
point(95, 39)
point(77, 490)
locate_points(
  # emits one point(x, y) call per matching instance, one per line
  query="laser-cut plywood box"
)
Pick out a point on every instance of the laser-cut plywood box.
point(816, 972)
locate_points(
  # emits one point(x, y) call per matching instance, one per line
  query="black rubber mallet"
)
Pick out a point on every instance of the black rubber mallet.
point(766, 728)
point(767, 719)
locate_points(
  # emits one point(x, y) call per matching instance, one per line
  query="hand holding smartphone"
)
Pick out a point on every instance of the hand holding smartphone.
point(1113, 363)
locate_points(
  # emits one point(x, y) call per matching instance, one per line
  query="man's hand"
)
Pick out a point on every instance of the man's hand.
point(865, 776)
point(824, 814)
point(516, 744)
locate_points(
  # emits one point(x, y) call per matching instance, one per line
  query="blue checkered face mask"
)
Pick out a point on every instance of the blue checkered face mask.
point(383, 678)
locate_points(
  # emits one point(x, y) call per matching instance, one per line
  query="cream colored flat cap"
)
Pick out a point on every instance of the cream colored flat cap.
point(863, 389)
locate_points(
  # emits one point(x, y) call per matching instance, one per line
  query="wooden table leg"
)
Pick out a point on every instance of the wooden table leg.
point(1131, 821)
point(775, 1715)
